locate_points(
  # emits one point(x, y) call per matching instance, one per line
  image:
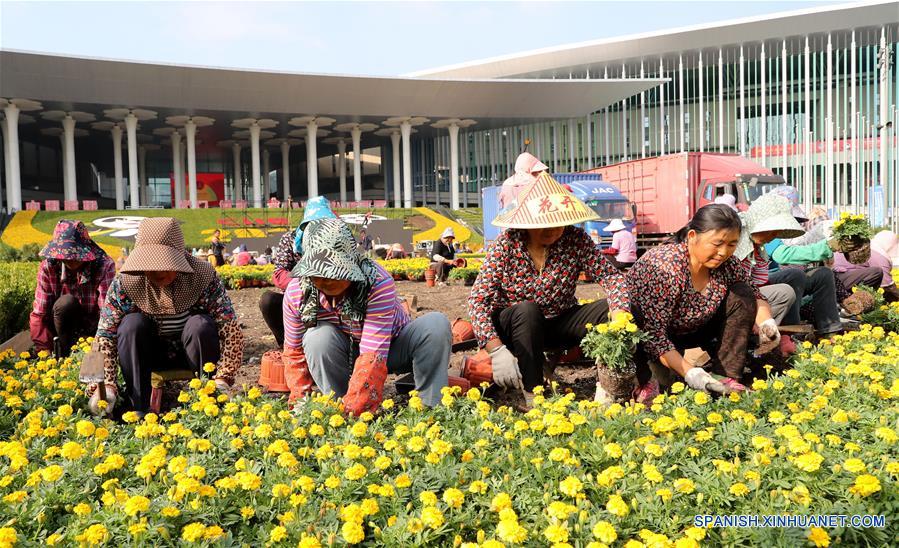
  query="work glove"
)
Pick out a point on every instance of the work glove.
point(699, 379)
point(769, 337)
point(602, 396)
point(505, 368)
point(834, 245)
point(93, 404)
point(366, 389)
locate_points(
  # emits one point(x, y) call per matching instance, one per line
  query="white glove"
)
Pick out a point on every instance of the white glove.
point(602, 396)
point(223, 387)
point(769, 337)
point(699, 379)
point(505, 368)
point(93, 404)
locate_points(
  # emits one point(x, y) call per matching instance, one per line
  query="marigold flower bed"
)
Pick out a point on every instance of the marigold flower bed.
point(820, 439)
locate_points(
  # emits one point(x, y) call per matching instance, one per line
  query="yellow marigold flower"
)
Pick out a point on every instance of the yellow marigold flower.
point(616, 505)
point(85, 428)
point(136, 504)
point(278, 534)
point(739, 489)
point(613, 450)
point(403, 481)
point(571, 486)
point(309, 542)
point(82, 509)
point(684, 485)
point(72, 451)
point(355, 472)
point(94, 535)
point(432, 517)
point(352, 532)
point(809, 462)
point(605, 532)
point(818, 537)
point(453, 497)
point(865, 485)
point(208, 367)
point(511, 531)
point(51, 473)
point(556, 533)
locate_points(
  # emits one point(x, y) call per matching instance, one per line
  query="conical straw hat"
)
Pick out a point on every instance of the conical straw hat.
point(545, 204)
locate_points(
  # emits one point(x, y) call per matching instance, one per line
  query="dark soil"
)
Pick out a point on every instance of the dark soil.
point(451, 300)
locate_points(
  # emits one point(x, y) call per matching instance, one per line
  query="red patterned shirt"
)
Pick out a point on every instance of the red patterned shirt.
point(661, 285)
point(509, 276)
point(88, 286)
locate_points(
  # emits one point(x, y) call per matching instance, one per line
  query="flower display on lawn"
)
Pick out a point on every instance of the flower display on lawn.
point(441, 223)
point(819, 439)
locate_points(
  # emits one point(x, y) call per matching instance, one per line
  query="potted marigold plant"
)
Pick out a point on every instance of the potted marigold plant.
point(612, 346)
point(853, 236)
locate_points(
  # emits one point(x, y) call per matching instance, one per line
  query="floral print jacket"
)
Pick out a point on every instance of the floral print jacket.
point(509, 276)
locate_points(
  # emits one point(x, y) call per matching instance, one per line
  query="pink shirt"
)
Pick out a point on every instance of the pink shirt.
point(626, 244)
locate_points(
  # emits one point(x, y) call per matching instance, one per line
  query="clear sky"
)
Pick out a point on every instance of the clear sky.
point(371, 38)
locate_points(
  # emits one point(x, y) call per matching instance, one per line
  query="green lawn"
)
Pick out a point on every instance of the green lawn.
point(473, 217)
point(194, 221)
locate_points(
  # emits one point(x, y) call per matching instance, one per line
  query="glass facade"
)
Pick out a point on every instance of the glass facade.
point(819, 109)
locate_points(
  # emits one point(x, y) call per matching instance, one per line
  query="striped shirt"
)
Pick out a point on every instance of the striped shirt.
point(756, 266)
point(172, 325)
point(384, 317)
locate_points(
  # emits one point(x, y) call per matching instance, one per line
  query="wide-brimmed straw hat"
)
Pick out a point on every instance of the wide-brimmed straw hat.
point(545, 204)
point(768, 213)
point(158, 247)
point(330, 252)
point(71, 242)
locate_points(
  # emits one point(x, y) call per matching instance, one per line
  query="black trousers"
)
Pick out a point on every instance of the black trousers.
point(69, 323)
point(870, 276)
point(142, 351)
point(271, 307)
point(725, 336)
point(527, 333)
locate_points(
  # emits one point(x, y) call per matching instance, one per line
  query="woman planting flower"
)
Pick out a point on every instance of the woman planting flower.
point(523, 299)
point(694, 293)
point(343, 314)
point(166, 309)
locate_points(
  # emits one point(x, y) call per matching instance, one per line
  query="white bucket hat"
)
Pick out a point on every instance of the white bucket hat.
point(771, 212)
point(448, 233)
point(614, 226)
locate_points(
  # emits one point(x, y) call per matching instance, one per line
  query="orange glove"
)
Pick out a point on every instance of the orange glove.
point(296, 373)
point(366, 389)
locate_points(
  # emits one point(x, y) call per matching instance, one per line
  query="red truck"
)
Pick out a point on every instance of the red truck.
point(667, 190)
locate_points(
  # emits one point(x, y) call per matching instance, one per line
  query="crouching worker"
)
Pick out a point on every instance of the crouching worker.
point(342, 315)
point(71, 287)
point(523, 301)
point(694, 293)
point(166, 310)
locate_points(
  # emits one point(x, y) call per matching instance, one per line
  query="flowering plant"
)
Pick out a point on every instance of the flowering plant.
point(851, 226)
point(613, 343)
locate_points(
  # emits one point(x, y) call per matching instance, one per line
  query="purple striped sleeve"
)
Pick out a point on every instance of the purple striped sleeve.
point(293, 324)
point(377, 329)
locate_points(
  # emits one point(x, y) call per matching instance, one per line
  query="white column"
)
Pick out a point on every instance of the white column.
point(454, 165)
point(807, 128)
point(661, 115)
point(571, 146)
point(742, 113)
point(857, 197)
point(356, 134)
point(783, 108)
point(395, 149)
point(764, 100)
point(133, 181)
point(178, 192)
point(720, 101)
point(238, 177)
point(829, 183)
point(406, 129)
point(6, 168)
point(254, 162)
point(117, 163)
point(680, 99)
point(588, 145)
point(190, 129)
point(642, 118)
point(13, 173)
point(341, 168)
point(65, 170)
point(312, 158)
point(68, 128)
point(701, 106)
point(883, 71)
point(624, 132)
point(266, 170)
point(142, 173)
point(285, 170)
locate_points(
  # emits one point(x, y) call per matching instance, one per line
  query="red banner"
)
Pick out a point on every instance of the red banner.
point(818, 147)
point(210, 188)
